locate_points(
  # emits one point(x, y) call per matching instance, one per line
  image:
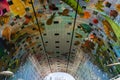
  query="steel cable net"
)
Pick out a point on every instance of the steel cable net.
point(79, 37)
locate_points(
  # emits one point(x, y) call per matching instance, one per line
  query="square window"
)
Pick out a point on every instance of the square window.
point(42, 24)
point(50, 57)
point(56, 34)
point(95, 12)
point(10, 2)
point(111, 47)
point(33, 28)
point(30, 2)
point(41, 49)
point(90, 24)
point(76, 36)
point(4, 11)
point(57, 42)
point(99, 39)
point(101, 35)
point(23, 42)
point(38, 46)
point(20, 48)
point(68, 33)
point(46, 41)
point(78, 26)
point(81, 14)
point(73, 49)
point(57, 56)
point(67, 41)
point(25, 45)
point(58, 61)
point(17, 16)
point(108, 50)
point(108, 4)
point(44, 34)
point(56, 22)
point(17, 32)
point(57, 52)
point(69, 23)
point(84, 7)
point(18, 45)
point(57, 47)
point(12, 23)
point(94, 34)
point(22, 27)
point(27, 9)
point(37, 37)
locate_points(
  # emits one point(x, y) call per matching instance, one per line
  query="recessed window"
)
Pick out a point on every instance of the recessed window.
point(46, 41)
point(78, 26)
point(57, 47)
point(27, 9)
point(69, 23)
point(67, 41)
point(12, 23)
point(84, 7)
point(68, 33)
point(37, 37)
point(20, 48)
point(56, 34)
point(50, 57)
point(111, 47)
point(99, 39)
point(56, 22)
point(57, 52)
point(30, 42)
point(76, 36)
point(101, 35)
point(90, 24)
point(28, 37)
point(18, 45)
point(17, 17)
point(44, 34)
point(95, 12)
point(38, 46)
point(22, 27)
point(41, 49)
point(58, 61)
point(10, 2)
point(94, 34)
point(17, 32)
point(42, 24)
point(33, 28)
point(4, 10)
point(73, 49)
point(57, 56)
point(73, 56)
point(57, 41)
point(23, 42)
point(25, 45)
point(28, 50)
point(108, 50)
point(108, 4)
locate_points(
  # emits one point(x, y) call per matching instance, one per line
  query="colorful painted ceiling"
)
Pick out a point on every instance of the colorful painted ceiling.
point(80, 37)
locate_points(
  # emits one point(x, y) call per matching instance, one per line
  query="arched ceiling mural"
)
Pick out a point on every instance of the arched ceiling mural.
point(61, 36)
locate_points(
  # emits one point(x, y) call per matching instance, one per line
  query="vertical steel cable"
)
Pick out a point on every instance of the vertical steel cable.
point(41, 36)
point(72, 36)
